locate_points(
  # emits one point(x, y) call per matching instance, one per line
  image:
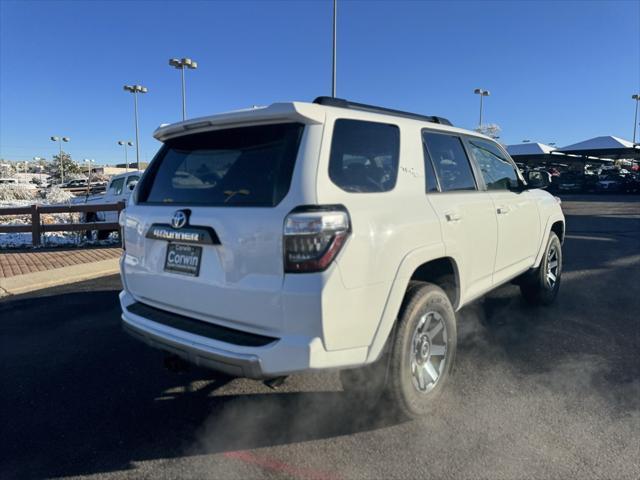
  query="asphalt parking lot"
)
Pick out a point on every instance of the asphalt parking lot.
point(538, 393)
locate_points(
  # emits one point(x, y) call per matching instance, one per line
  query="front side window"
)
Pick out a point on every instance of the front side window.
point(364, 156)
point(450, 161)
point(116, 186)
point(497, 170)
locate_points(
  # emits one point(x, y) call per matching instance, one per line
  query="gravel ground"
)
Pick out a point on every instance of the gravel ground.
point(537, 393)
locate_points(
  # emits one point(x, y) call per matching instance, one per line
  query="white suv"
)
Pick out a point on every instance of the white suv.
point(330, 235)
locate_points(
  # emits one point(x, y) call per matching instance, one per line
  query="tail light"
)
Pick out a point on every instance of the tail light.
point(313, 236)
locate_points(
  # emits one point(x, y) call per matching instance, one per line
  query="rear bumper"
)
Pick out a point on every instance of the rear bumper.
point(282, 356)
point(237, 365)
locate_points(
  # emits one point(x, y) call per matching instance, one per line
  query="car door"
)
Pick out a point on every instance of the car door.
point(467, 214)
point(516, 209)
point(113, 195)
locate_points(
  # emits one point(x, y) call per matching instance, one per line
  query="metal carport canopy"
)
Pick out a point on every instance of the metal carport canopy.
point(606, 147)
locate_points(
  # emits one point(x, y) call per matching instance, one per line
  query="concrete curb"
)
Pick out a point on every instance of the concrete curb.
point(58, 276)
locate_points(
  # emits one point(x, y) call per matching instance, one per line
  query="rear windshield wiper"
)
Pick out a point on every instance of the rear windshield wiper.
point(232, 193)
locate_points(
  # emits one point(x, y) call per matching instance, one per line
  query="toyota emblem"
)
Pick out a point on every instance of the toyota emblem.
point(179, 219)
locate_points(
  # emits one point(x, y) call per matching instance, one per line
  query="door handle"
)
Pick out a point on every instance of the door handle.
point(503, 210)
point(453, 216)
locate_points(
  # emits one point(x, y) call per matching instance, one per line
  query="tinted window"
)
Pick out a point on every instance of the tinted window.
point(497, 170)
point(132, 178)
point(250, 166)
point(116, 186)
point(364, 156)
point(430, 173)
point(450, 161)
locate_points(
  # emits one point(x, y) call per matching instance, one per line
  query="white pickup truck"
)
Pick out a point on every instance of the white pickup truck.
point(119, 189)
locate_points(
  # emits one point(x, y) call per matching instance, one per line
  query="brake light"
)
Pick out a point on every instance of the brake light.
point(313, 237)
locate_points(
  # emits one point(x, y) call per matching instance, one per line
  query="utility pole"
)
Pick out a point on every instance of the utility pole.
point(135, 89)
point(60, 140)
point(333, 70)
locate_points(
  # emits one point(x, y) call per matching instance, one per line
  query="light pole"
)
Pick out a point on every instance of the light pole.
point(181, 65)
point(89, 160)
point(482, 93)
point(60, 140)
point(333, 70)
point(135, 89)
point(636, 97)
point(125, 143)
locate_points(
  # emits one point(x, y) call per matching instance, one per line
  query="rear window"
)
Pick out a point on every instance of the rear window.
point(246, 166)
point(364, 156)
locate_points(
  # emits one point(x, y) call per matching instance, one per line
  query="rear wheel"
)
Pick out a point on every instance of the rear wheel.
point(95, 234)
point(423, 350)
point(541, 287)
point(418, 357)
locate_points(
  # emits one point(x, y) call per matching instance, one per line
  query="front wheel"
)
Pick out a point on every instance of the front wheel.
point(541, 287)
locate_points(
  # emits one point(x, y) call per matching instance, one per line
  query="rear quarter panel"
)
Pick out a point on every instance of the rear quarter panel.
point(386, 226)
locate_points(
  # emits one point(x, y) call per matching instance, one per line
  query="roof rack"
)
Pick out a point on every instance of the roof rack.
point(342, 103)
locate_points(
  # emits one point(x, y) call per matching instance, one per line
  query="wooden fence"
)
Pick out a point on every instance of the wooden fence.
point(37, 228)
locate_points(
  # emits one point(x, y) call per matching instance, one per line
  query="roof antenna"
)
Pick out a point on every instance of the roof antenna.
point(333, 76)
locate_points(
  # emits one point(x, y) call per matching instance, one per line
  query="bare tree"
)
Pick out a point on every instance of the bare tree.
point(490, 130)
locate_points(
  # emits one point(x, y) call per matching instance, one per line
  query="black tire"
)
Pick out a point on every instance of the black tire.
point(89, 218)
point(104, 234)
point(538, 288)
point(423, 303)
point(96, 234)
point(366, 385)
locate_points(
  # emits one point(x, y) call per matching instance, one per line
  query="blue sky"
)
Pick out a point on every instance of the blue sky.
point(557, 71)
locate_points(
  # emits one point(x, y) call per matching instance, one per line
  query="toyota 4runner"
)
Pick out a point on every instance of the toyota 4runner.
point(330, 235)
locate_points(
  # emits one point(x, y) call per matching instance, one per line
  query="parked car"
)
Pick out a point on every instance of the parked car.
point(330, 235)
point(570, 182)
point(18, 184)
point(76, 183)
point(590, 182)
point(630, 183)
point(119, 189)
point(609, 183)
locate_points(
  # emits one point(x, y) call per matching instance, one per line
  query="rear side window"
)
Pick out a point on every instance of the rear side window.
point(497, 170)
point(450, 161)
point(247, 166)
point(364, 156)
point(430, 173)
point(131, 179)
point(116, 186)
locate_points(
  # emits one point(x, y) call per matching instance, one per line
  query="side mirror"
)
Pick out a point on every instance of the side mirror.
point(132, 185)
point(538, 179)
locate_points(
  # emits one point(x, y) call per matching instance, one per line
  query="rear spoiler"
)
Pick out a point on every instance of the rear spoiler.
point(292, 111)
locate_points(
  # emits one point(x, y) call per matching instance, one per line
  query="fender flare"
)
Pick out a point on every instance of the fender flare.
point(409, 264)
point(556, 217)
